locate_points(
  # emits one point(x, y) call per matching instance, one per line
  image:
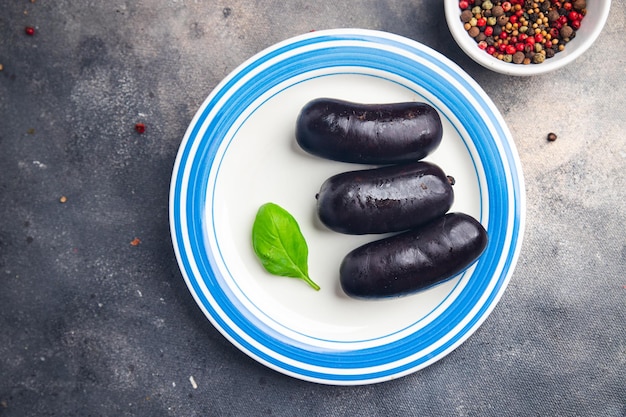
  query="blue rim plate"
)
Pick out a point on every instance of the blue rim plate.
point(239, 152)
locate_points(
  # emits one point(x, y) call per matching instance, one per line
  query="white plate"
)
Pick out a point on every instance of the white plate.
point(239, 152)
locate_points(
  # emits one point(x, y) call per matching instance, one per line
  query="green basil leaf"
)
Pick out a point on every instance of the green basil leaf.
point(279, 243)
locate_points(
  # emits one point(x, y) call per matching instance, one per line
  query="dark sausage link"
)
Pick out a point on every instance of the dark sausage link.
point(413, 260)
point(387, 199)
point(368, 133)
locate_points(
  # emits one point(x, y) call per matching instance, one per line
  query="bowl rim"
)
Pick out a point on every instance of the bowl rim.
point(469, 46)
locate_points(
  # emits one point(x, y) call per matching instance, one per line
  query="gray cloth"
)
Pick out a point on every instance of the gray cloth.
point(91, 325)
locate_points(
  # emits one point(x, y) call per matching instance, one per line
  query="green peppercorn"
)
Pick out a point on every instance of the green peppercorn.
point(473, 21)
point(507, 58)
point(487, 5)
point(538, 58)
point(492, 21)
point(476, 10)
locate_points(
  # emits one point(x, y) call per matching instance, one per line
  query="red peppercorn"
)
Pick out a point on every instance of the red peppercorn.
point(562, 20)
point(573, 15)
point(567, 6)
point(538, 38)
point(513, 19)
point(503, 35)
point(519, 46)
point(522, 37)
point(140, 127)
point(510, 49)
point(491, 49)
point(554, 33)
point(29, 30)
point(481, 22)
point(575, 24)
point(530, 40)
point(489, 31)
point(463, 4)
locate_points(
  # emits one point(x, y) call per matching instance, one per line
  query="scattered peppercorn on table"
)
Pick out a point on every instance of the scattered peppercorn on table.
point(96, 316)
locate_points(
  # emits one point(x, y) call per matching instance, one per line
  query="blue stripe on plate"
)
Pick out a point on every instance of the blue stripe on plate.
point(328, 54)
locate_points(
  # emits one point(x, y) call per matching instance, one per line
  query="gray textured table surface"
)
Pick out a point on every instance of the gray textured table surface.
point(92, 326)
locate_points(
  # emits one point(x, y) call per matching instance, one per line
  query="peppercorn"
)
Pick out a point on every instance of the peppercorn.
point(533, 27)
point(518, 57)
point(566, 32)
point(497, 11)
point(466, 16)
point(538, 58)
point(551, 137)
point(29, 30)
point(140, 128)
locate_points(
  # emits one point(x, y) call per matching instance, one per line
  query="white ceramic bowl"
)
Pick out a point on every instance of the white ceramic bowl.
point(597, 14)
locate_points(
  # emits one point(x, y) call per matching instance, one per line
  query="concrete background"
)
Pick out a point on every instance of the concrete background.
point(91, 325)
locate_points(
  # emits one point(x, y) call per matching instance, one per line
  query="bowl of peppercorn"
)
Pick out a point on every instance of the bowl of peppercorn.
point(525, 37)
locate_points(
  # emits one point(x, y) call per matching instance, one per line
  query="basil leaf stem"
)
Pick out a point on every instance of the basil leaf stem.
point(279, 243)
